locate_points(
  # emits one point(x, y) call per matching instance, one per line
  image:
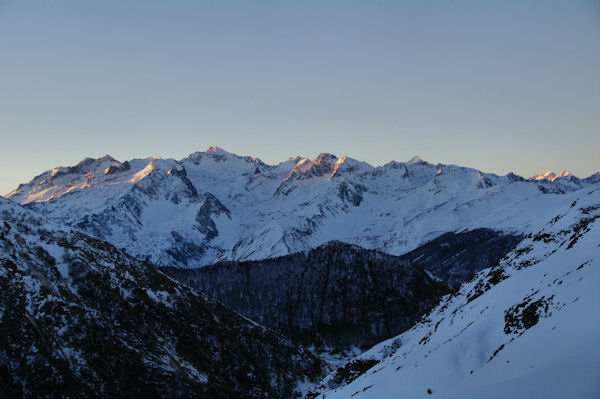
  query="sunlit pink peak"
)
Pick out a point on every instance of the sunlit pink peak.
point(303, 165)
point(415, 160)
point(144, 172)
point(322, 165)
point(58, 170)
point(343, 163)
point(564, 173)
point(341, 160)
point(216, 149)
point(346, 166)
point(549, 175)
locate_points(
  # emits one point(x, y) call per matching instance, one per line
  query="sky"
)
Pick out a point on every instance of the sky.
point(495, 85)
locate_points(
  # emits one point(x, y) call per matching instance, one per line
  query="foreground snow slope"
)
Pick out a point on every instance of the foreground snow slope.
point(528, 327)
point(215, 205)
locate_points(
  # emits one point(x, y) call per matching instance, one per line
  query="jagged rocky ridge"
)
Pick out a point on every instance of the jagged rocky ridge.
point(335, 296)
point(214, 205)
point(526, 327)
point(80, 318)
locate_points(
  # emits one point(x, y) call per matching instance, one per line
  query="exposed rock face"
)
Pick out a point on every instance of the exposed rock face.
point(80, 318)
point(336, 295)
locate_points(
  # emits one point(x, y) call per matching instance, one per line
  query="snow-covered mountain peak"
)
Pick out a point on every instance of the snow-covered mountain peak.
point(342, 159)
point(88, 165)
point(217, 154)
point(61, 180)
point(107, 158)
point(564, 173)
point(325, 157)
point(302, 166)
point(323, 165)
point(212, 152)
point(345, 166)
point(117, 168)
point(593, 178)
point(58, 170)
point(144, 172)
point(563, 182)
point(549, 175)
point(512, 177)
point(415, 160)
point(214, 148)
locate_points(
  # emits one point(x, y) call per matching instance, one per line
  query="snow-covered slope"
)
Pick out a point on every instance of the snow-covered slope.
point(528, 327)
point(215, 205)
point(80, 318)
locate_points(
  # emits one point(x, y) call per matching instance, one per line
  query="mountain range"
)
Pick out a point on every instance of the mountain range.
point(221, 276)
point(216, 206)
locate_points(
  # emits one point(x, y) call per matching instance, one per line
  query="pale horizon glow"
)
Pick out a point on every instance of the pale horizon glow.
point(510, 86)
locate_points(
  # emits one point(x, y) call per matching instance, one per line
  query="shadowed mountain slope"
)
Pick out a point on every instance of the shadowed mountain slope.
point(336, 295)
point(80, 318)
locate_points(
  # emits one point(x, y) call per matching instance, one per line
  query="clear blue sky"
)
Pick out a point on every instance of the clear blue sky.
point(496, 85)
